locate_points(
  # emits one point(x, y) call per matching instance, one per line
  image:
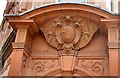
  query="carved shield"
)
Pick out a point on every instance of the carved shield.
point(67, 30)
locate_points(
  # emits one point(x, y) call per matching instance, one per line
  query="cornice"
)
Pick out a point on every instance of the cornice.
point(21, 46)
point(64, 5)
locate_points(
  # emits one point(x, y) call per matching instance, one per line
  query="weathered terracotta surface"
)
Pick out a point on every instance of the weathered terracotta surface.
point(77, 42)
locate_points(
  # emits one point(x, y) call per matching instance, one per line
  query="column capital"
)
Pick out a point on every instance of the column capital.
point(21, 46)
point(114, 45)
point(24, 24)
point(111, 22)
point(113, 27)
point(23, 40)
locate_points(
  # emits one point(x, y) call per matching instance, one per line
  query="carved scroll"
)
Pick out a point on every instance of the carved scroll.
point(95, 66)
point(40, 66)
point(68, 33)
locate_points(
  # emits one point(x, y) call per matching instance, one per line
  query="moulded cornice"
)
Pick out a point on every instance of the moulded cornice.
point(22, 46)
point(63, 6)
point(36, 15)
point(20, 23)
point(111, 22)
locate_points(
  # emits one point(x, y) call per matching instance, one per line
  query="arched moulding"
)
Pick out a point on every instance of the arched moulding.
point(83, 72)
point(36, 16)
point(52, 72)
point(66, 6)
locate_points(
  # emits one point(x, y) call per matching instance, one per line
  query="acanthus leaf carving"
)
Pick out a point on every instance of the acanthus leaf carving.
point(68, 33)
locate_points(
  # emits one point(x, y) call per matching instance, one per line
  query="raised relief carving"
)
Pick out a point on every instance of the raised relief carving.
point(42, 65)
point(68, 33)
point(24, 64)
point(95, 66)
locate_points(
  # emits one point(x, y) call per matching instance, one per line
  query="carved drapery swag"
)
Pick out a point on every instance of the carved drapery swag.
point(68, 34)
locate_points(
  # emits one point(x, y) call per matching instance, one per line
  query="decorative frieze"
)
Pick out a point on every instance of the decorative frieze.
point(95, 65)
point(42, 65)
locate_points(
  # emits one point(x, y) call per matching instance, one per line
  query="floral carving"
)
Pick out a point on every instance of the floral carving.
point(68, 33)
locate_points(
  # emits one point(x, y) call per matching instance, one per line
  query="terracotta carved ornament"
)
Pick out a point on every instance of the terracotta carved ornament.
point(68, 33)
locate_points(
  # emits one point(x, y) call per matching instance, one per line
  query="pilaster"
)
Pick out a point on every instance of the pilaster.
point(20, 53)
point(113, 45)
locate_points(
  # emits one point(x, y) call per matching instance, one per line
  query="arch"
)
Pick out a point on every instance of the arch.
point(63, 6)
point(84, 71)
point(51, 71)
point(29, 17)
point(38, 14)
point(57, 70)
